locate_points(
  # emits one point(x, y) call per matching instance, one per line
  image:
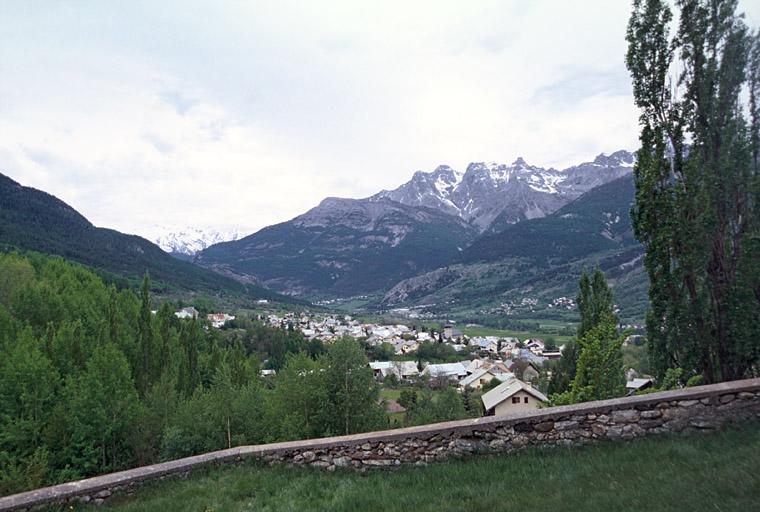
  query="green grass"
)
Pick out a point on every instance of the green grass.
point(521, 335)
point(390, 394)
point(716, 472)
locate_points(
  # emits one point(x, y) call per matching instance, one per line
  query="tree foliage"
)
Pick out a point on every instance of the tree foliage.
point(598, 370)
point(696, 208)
point(92, 381)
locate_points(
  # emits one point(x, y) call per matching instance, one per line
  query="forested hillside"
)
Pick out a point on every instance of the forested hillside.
point(92, 381)
point(34, 220)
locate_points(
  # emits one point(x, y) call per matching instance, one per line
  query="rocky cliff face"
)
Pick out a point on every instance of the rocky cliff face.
point(492, 196)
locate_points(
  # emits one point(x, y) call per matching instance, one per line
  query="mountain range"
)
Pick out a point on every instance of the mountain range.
point(347, 247)
point(490, 196)
point(445, 240)
point(540, 259)
point(186, 242)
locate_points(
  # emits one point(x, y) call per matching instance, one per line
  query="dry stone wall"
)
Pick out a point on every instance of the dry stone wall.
point(698, 408)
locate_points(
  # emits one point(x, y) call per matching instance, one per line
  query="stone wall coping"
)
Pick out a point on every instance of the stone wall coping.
point(92, 485)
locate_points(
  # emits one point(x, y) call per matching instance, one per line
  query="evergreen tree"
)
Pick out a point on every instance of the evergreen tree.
point(594, 301)
point(599, 367)
point(103, 405)
point(190, 376)
point(145, 337)
point(695, 210)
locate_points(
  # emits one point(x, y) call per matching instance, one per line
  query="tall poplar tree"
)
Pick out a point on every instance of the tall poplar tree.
point(694, 210)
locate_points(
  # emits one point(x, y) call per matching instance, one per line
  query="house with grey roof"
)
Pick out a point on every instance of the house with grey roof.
point(511, 396)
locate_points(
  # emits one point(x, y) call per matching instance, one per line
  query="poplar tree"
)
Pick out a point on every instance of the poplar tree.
point(696, 203)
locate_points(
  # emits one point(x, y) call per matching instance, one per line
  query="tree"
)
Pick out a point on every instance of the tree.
point(696, 207)
point(297, 399)
point(563, 371)
point(145, 336)
point(594, 301)
point(599, 367)
point(103, 404)
point(190, 376)
point(351, 390)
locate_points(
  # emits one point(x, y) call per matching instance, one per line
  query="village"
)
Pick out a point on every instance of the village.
point(504, 370)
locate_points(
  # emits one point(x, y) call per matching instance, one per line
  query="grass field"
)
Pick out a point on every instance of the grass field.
point(521, 335)
point(715, 472)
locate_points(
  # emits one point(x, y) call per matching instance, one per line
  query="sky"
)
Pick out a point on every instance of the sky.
point(244, 114)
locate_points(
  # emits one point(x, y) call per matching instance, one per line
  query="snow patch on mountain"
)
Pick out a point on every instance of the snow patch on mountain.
point(189, 240)
point(511, 193)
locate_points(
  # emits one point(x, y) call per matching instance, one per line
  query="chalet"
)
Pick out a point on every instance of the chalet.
point(512, 395)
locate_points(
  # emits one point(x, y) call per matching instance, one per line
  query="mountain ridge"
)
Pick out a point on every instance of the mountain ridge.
point(336, 248)
point(510, 193)
point(34, 220)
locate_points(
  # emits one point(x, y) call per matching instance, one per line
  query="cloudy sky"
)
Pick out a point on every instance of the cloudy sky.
point(243, 114)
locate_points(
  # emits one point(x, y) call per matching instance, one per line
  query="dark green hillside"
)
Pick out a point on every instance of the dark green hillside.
point(597, 221)
point(34, 220)
point(344, 247)
point(541, 259)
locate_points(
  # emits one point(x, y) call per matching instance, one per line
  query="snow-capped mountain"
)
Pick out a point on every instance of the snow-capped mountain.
point(492, 195)
point(353, 246)
point(188, 241)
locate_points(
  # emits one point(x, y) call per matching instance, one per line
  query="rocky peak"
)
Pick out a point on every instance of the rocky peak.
point(620, 158)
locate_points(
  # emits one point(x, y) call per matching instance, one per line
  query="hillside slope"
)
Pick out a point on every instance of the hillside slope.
point(540, 259)
point(343, 247)
point(31, 219)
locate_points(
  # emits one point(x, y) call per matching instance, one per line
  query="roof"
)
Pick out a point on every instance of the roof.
point(445, 370)
point(400, 368)
point(506, 389)
point(481, 372)
point(637, 383)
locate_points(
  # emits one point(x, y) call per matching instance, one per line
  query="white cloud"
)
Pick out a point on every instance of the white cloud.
point(247, 113)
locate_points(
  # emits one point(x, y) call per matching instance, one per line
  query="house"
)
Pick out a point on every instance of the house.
point(535, 345)
point(407, 369)
point(401, 369)
point(219, 319)
point(446, 370)
point(381, 369)
point(483, 376)
point(512, 395)
point(634, 385)
point(190, 312)
point(524, 369)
